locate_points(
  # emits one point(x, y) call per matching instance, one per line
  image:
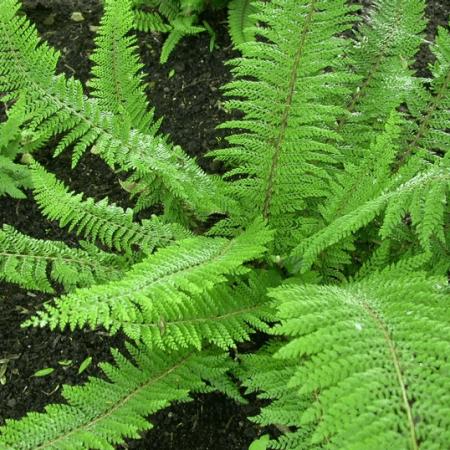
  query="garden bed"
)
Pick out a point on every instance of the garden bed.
point(185, 91)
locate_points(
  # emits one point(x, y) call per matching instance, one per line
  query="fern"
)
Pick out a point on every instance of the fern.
point(110, 224)
point(240, 21)
point(333, 237)
point(34, 264)
point(13, 176)
point(59, 107)
point(364, 376)
point(117, 77)
point(159, 288)
point(273, 178)
point(102, 413)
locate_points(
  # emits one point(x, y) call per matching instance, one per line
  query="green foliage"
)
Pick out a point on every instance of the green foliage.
point(360, 374)
point(103, 412)
point(332, 236)
point(119, 88)
point(109, 224)
point(180, 18)
point(281, 162)
point(34, 263)
point(173, 285)
point(13, 176)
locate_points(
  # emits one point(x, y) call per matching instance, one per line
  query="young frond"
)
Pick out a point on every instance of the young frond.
point(109, 224)
point(59, 108)
point(182, 26)
point(34, 263)
point(117, 73)
point(102, 413)
point(156, 289)
point(367, 375)
point(286, 88)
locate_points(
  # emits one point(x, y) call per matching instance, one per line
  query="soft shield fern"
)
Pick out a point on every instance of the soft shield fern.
point(362, 376)
point(332, 237)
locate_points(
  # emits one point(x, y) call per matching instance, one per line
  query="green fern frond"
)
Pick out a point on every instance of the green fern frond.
point(109, 224)
point(150, 21)
point(429, 131)
point(13, 176)
point(182, 26)
point(155, 289)
point(240, 21)
point(222, 316)
point(59, 108)
point(34, 263)
point(102, 413)
point(282, 160)
point(117, 73)
point(368, 376)
point(398, 202)
point(382, 57)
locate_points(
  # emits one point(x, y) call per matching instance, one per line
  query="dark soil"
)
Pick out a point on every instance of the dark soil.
point(186, 92)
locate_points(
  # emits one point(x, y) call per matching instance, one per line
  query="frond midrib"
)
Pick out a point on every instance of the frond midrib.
point(398, 371)
point(287, 108)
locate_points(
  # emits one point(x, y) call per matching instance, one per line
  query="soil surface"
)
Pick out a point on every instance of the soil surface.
point(185, 91)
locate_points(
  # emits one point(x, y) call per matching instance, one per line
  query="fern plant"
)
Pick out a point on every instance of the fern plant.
point(180, 18)
point(331, 231)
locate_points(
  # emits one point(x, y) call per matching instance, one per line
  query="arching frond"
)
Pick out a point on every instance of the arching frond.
point(160, 287)
point(34, 263)
point(284, 148)
point(110, 224)
point(59, 107)
point(223, 316)
point(382, 57)
point(102, 413)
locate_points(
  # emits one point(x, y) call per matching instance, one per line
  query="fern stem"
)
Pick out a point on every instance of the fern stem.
point(398, 372)
point(288, 103)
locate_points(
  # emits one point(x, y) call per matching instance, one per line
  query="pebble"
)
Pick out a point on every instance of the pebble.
point(77, 16)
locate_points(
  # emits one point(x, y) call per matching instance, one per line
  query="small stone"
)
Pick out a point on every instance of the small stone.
point(77, 16)
point(93, 28)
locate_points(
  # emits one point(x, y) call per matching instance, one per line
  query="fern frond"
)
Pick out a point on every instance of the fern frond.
point(34, 263)
point(102, 413)
point(370, 378)
point(222, 316)
point(13, 176)
point(382, 56)
point(150, 21)
point(429, 131)
point(59, 108)
point(182, 26)
point(156, 289)
point(282, 159)
point(110, 224)
point(240, 21)
point(398, 202)
point(117, 73)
